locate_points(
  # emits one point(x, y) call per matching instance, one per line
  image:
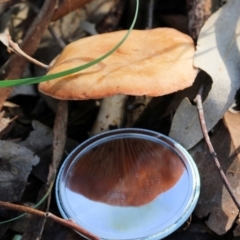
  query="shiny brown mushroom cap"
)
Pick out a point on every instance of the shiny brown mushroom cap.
point(126, 172)
point(151, 62)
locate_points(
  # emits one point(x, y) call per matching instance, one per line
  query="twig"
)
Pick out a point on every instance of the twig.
point(198, 101)
point(59, 140)
point(14, 46)
point(67, 223)
point(150, 14)
point(60, 136)
point(59, 40)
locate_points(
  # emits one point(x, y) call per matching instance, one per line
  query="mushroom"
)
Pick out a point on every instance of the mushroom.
point(151, 62)
point(125, 171)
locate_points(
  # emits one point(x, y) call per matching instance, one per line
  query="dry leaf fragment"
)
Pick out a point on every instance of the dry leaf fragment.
point(40, 141)
point(218, 55)
point(15, 165)
point(4, 122)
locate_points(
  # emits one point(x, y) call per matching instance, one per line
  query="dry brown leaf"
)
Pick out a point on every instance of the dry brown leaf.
point(214, 198)
point(232, 122)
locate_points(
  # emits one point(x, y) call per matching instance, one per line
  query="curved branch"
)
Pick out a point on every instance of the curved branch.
point(198, 101)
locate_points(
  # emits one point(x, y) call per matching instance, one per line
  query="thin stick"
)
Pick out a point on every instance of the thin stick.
point(59, 40)
point(59, 140)
point(14, 46)
point(150, 14)
point(198, 101)
point(67, 223)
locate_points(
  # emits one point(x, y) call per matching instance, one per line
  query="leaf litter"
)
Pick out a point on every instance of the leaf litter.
point(218, 203)
point(215, 203)
point(217, 54)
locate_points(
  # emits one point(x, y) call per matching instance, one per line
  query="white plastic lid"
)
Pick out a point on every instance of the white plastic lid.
point(78, 198)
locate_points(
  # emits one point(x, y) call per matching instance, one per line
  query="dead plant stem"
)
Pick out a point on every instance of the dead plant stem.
point(198, 101)
point(20, 52)
point(59, 40)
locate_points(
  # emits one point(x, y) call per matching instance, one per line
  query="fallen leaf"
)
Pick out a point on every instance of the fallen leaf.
point(214, 199)
point(15, 165)
point(218, 55)
point(40, 141)
point(232, 122)
point(4, 122)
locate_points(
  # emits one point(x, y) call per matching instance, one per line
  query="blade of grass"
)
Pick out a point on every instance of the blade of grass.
point(25, 81)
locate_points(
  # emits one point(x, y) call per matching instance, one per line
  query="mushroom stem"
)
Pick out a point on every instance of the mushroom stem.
point(111, 113)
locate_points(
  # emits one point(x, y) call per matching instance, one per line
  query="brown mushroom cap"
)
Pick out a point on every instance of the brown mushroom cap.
point(125, 172)
point(151, 62)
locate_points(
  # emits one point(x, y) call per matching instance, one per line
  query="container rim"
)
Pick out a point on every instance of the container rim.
point(167, 142)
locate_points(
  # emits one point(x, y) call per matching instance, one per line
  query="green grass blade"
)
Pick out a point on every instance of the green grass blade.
point(25, 81)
